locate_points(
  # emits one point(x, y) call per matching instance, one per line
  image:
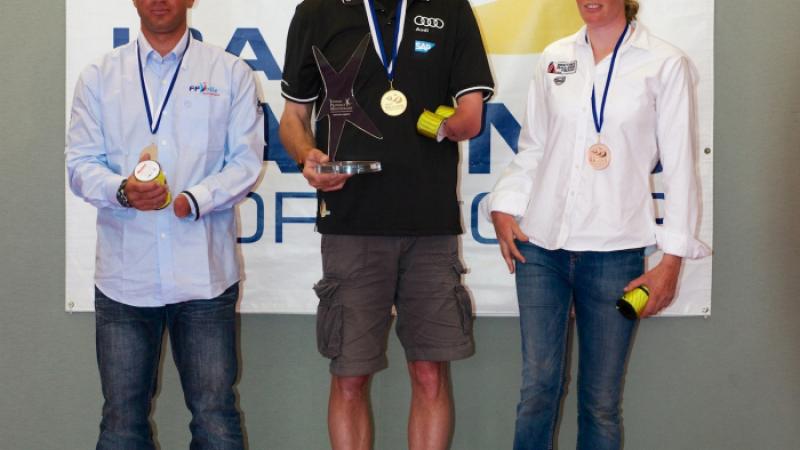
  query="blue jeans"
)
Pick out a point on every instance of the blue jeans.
point(203, 338)
point(548, 283)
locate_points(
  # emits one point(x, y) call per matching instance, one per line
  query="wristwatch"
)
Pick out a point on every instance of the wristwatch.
point(121, 197)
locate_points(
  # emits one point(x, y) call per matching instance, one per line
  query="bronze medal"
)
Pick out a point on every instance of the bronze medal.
point(599, 156)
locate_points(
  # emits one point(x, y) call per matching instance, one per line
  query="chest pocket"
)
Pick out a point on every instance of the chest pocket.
point(203, 121)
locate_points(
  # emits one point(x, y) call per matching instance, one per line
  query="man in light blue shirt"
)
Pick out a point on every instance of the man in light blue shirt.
point(194, 109)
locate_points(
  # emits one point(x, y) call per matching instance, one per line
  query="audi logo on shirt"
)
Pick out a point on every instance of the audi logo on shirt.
point(429, 22)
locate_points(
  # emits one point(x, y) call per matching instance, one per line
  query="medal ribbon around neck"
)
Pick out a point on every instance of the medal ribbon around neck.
point(147, 106)
point(377, 37)
point(598, 122)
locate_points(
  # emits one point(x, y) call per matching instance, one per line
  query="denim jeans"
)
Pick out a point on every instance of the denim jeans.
point(548, 284)
point(203, 338)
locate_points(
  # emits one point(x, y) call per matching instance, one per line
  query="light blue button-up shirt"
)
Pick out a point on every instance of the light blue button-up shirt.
point(210, 143)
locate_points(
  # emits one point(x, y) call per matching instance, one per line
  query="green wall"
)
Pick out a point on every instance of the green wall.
point(730, 382)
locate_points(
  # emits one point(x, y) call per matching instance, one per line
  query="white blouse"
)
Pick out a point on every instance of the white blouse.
point(561, 202)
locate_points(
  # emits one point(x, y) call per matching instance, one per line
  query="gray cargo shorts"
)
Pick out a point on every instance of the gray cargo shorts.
point(364, 276)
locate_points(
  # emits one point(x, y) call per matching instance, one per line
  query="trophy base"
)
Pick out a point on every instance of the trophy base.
point(349, 167)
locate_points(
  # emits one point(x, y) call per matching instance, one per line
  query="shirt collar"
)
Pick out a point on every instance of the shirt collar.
point(639, 39)
point(149, 54)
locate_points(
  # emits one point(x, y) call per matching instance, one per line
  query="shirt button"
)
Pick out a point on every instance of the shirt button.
point(164, 143)
point(163, 235)
point(164, 82)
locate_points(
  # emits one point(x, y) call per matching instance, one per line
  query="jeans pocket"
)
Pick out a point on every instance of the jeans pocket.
point(464, 303)
point(329, 319)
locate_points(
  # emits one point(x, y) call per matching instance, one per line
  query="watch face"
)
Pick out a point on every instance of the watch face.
point(121, 197)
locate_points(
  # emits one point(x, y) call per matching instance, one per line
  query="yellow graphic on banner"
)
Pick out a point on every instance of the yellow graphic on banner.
point(516, 27)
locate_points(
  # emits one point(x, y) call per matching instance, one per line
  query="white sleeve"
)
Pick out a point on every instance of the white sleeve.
point(511, 193)
point(676, 132)
point(243, 149)
point(88, 172)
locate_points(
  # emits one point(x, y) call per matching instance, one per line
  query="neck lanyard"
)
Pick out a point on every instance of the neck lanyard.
point(147, 106)
point(598, 122)
point(377, 37)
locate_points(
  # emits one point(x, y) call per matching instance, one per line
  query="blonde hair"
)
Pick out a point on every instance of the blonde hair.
point(631, 8)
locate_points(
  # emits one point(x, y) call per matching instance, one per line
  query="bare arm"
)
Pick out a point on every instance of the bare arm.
point(298, 139)
point(466, 122)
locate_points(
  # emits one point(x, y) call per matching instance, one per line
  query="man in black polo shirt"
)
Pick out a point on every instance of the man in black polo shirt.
point(388, 238)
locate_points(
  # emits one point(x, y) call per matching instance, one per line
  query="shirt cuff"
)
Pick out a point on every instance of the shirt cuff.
point(505, 202)
point(112, 186)
point(193, 207)
point(203, 201)
point(681, 245)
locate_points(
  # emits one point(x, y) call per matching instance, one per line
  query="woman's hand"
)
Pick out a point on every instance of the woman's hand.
point(507, 231)
point(661, 281)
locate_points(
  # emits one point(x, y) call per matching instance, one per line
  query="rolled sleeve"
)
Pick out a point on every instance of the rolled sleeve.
point(677, 137)
point(686, 246)
point(512, 192)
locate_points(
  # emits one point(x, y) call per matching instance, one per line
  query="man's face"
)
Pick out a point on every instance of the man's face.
point(162, 16)
point(601, 12)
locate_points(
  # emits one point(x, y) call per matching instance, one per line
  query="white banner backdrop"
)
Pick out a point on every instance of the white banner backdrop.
point(279, 247)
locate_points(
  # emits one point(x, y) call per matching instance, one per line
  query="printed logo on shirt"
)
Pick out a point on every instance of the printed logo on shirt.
point(423, 46)
point(204, 88)
point(559, 80)
point(562, 67)
point(424, 24)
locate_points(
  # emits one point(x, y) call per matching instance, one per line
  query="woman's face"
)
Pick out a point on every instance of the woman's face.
point(601, 12)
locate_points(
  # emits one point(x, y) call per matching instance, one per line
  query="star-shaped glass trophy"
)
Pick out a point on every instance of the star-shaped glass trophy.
point(340, 106)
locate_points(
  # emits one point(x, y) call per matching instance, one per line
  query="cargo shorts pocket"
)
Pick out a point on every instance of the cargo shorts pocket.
point(464, 309)
point(329, 319)
point(463, 301)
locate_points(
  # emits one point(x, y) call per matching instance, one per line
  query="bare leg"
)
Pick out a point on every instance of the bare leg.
point(349, 424)
point(431, 420)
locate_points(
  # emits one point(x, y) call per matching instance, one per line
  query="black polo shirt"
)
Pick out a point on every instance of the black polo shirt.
point(441, 57)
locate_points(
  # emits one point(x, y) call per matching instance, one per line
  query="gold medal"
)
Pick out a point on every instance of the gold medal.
point(394, 103)
point(599, 156)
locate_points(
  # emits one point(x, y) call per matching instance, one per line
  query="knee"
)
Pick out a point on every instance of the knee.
point(350, 388)
point(428, 378)
point(603, 410)
point(545, 379)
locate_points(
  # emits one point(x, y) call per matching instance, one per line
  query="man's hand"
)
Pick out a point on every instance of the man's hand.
point(180, 206)
point(323, 181)
point(507, 230)
point(661, 281)
point(145, 196)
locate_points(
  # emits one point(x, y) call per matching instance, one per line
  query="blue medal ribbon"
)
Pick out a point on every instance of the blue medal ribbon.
point(598, 122)
point(377, 37)
point(154, 128)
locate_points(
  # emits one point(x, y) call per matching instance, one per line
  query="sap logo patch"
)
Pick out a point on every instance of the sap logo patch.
point(423, 46)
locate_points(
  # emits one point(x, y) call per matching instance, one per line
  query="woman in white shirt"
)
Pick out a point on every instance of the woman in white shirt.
point(574, 211)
